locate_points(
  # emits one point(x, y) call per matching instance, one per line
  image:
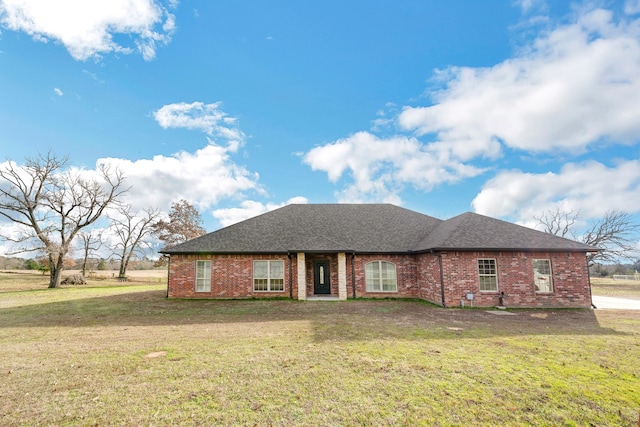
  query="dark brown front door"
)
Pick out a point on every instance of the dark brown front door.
point(321, 277)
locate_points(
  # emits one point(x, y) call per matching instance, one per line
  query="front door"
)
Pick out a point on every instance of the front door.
point(321, 282)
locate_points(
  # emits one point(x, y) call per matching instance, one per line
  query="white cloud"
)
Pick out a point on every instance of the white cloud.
point(87, 28)
point(573, 87)
point(590, 188)
point(208, 118)
point(58, 91)
point(12, 231)
point(250, 208)
point(380, 167)
point(528, 6)
point(203, 178)
point(93, 76)
point(632, 7)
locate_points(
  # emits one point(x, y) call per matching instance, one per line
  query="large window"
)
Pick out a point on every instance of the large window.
point(542, 275)
point(381, 277)
point(203, 276)
point(488, 274)
point(268, 276)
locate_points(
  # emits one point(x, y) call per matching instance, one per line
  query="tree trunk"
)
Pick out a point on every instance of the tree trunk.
point(84, 262)
point(55, 273)
point(123, 265)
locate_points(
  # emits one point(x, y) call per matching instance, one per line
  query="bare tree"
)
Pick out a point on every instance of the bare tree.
point(558, 222)
point(89, 242)
point(184, 224)
point(615, 234)
point(131, 231)
point(51, 205)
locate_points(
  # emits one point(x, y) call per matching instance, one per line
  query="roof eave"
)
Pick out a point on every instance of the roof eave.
point(508, 249)
point(224, 252)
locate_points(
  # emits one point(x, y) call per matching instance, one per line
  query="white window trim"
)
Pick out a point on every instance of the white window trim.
point(551, 288)
point(495, 263)
point(269, 278)
point(379, 262)
point(206, 278)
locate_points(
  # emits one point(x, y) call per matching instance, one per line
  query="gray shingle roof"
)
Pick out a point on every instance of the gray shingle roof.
point(471, 231)
point(368, 228)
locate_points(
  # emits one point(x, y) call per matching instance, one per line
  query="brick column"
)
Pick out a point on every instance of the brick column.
point(342, 276)
point(302, 277)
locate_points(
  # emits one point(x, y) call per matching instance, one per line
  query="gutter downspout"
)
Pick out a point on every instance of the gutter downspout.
point(441, 279)
point(589, 279)
point(353, 273)
point(290, 276)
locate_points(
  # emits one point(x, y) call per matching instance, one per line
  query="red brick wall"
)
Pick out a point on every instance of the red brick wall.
point(231, 276)
point(429, 278)
point(515, 278)
point(406, 272)
point(418, 277)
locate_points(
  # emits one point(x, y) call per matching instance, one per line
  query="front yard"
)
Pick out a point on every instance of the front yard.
point(114, 354)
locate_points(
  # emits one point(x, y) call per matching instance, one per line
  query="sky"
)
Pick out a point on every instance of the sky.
point(506, 108)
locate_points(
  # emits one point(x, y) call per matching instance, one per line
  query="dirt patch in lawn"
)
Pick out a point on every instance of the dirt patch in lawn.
point(156, 354)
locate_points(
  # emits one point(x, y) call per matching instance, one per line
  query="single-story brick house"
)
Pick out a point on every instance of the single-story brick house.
point(380, 250)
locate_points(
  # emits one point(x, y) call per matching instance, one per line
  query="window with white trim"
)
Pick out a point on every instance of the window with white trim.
point(542, 278)
point(380, 276)
point(268, 276)
point(203, 276)
point(488, 274)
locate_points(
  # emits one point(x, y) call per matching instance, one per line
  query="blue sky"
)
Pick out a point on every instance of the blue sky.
point(505, 108)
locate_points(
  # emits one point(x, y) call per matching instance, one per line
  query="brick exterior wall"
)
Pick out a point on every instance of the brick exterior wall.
point(428, 277)
point(231, 276)
point(406, 273)
point(515, 278)
point(418, 276)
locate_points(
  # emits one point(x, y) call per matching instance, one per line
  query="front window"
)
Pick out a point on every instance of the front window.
point(542, 275)
point(488, 274)
point(203, 276)
point(268, 276)
point(380, 276)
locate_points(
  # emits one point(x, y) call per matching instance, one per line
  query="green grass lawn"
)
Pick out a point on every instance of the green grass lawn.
point(114, 354)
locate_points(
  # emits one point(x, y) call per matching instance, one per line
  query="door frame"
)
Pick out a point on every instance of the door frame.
point(325, 288)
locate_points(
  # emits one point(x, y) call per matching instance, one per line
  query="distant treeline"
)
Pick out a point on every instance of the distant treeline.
point(16, 263)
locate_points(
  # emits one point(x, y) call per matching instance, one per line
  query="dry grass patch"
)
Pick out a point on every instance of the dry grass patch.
point(616, 288)
point(125, 355)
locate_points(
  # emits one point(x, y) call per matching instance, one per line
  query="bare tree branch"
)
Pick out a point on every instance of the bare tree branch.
point(615, 235)
point(558, 222)
point(131, 231)
point(89, 242)
point(52, 204)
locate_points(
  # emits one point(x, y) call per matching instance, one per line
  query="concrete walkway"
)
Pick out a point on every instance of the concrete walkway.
point(616, 303)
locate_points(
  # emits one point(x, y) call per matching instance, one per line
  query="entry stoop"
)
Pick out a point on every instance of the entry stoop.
point(323, 298)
